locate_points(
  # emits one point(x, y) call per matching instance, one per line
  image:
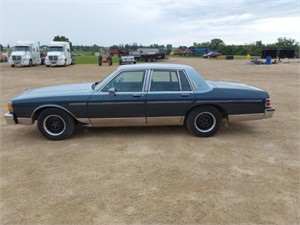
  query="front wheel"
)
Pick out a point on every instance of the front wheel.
point(204, 121)
point(55, 124)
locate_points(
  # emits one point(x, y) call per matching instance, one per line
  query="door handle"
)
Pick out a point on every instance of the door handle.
point(137, 95)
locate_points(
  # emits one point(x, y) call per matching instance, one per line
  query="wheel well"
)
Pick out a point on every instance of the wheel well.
point(220, 109)
point(40, 110)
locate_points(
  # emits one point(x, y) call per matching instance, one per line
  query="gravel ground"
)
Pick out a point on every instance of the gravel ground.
point(246, 174)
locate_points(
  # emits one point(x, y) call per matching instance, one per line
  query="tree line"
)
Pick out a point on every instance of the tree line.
point(254, 48)
point(215, 44)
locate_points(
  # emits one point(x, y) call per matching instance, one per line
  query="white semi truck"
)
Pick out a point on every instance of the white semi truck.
point(58, 54)
point(25, 53)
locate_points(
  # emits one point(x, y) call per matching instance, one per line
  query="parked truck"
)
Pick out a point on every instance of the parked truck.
point(148, 54)
point(58, 54)
point(25, 53)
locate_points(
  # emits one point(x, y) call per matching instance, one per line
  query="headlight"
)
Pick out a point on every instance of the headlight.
point(9, 107)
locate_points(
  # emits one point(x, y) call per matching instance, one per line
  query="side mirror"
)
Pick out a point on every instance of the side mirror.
point(112, 91)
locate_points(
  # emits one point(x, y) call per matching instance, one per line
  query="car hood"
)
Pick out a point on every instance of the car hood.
point(230, 85)
point(59, 90)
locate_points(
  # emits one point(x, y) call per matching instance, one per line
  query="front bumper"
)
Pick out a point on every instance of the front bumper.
point(19, 63)
point(10, 119)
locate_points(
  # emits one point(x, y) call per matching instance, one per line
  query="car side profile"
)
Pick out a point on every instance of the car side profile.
point(211, 55)
point(140, 95)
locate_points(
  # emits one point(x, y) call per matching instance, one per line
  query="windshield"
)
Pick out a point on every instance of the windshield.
point(21, 49)
point(55, 49)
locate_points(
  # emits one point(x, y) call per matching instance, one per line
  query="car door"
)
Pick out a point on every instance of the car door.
point(169, 95)
point(121, 102)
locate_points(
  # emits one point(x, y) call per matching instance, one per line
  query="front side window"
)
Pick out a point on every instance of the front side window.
point(127, 81)
point(164, 81)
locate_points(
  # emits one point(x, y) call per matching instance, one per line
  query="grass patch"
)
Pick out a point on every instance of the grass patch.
point(88, 58)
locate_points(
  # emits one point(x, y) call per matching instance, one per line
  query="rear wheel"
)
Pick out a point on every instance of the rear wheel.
point(55, 124)
point(204, 121)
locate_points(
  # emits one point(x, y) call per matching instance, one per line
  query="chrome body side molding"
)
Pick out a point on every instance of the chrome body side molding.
point(137, 121)
point(118, 122)
point(170, 120)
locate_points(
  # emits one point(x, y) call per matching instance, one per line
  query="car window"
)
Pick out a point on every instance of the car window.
point(185, 86)
point(164, 81)
point(127, 81)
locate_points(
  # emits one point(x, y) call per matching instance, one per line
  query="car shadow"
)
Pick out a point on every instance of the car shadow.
point(131, 131)
point(163, 131)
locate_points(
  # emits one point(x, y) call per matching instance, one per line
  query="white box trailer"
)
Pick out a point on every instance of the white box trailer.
point(25, 53)
point(58, 54)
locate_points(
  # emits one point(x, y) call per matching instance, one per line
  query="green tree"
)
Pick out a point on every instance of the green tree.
point(63, 38)
point(169, 49)
point(217, 44)
point(286, 42)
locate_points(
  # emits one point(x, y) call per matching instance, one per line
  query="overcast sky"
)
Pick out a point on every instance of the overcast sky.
point(177, 22)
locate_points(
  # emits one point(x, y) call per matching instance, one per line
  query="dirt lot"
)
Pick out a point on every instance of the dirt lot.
point(246, 174)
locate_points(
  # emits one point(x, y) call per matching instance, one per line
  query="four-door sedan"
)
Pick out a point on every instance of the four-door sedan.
point(140, 95)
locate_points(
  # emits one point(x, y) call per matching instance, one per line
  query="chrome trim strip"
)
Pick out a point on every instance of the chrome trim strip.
point(205, 101)
point(77, 103)
point(245, 117)
point(84, 120)
point(118, 122)
point(170, 92)
point(168, 102)
point(117, 103)
point(168, 120)
point(25, 121)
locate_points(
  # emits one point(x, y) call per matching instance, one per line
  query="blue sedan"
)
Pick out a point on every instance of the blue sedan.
point(140, 95)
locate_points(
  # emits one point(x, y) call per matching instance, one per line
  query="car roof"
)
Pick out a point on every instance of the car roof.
point(154, 66)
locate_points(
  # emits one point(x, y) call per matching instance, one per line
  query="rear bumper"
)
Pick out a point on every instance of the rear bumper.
point(269, 112)
point(253, 116)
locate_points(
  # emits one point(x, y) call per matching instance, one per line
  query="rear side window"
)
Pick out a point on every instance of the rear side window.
point(164, 81)
point(185, 86)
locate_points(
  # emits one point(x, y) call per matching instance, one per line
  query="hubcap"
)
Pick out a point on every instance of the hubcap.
point(205, 122)
point(54, 125)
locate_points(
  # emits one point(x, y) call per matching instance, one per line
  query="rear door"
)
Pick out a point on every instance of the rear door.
point(169, 96)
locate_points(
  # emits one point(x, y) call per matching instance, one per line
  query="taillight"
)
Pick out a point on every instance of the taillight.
point(268, 102)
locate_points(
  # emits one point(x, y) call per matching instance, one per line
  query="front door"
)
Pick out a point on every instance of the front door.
point(121, 102)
